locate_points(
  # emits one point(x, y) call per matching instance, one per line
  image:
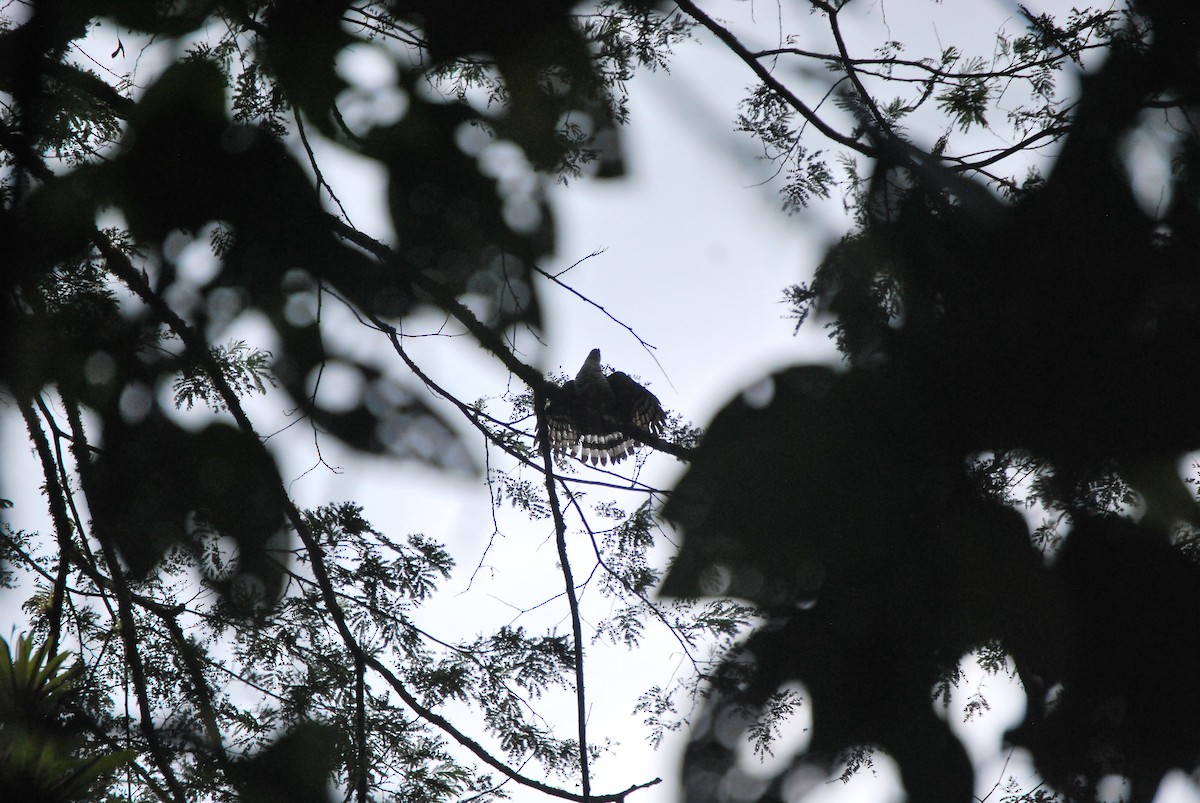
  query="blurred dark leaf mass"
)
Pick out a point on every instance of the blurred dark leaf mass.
point(1062, 326)
point(184, 164)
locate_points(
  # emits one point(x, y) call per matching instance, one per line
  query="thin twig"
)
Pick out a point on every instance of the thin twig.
point(649, 347)
point(312, 161)
point(653, 608)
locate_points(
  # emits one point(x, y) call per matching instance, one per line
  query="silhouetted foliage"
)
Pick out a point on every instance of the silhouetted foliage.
point(228, 644)
point(1055, 334)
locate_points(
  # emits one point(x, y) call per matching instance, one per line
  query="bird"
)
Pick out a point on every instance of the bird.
point(591, 417)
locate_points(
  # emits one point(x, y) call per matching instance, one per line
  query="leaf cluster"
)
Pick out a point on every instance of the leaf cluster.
point(888, 92)
point(43, 753)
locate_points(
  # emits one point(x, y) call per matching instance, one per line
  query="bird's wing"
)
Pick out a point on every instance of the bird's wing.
point(635, 404)
point(563, 413)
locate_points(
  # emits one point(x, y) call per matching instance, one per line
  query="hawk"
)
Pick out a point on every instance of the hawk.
point(590, 416)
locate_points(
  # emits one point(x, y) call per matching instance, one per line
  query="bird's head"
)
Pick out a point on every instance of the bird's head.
point(591, 365)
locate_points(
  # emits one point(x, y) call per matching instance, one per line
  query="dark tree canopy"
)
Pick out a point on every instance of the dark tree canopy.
point(178, 161)
point(869, 510)
point(1009, 343)
point(229, 644)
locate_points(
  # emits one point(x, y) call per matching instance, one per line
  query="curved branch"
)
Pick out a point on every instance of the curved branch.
point(526, 373)
point(473, 417)
point(312, 162)
point(742, 52)
point(1053, 133)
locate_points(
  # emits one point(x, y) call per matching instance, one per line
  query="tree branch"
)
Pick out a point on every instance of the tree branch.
point(554, 278)
point(190, 654)
point(864, 96)
point(748, 57)
point(55, 497)
point(128, 625)
point(560, 540)
point(936, 74)
point(360, 729)
point(487, 337)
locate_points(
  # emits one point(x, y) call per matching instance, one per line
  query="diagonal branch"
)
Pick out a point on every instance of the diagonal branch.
point(649, 439)
point(554, 278)
point(474, 417)
point(192, 656)
point(860, 89)
point(489, 338)
point(749, 58)
point(649, 603)
point(55, 495)
point(128, 624)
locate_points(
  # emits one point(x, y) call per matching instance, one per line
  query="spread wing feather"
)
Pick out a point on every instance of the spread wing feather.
point(563, 412)
point(635, 404)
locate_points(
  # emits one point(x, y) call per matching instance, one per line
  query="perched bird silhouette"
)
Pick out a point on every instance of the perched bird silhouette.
point(591, 416)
